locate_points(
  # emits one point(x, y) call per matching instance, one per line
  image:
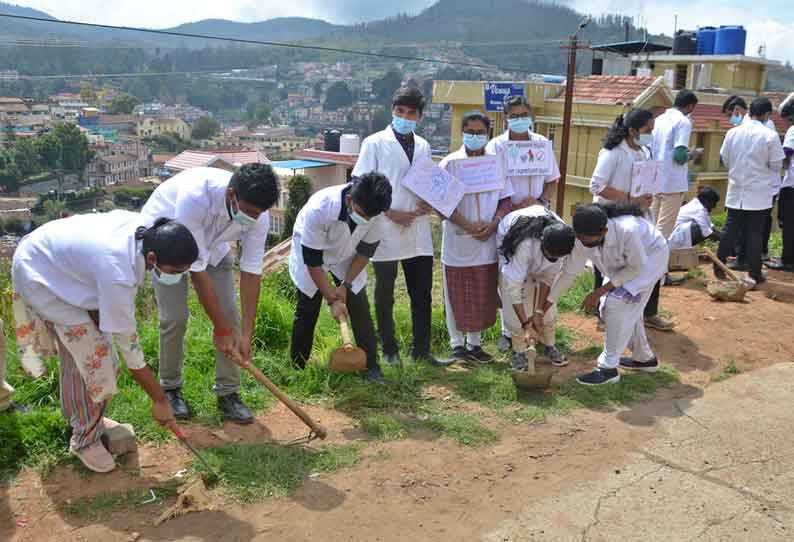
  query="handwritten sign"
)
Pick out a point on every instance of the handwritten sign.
point(434, 185)
point(528, 158)
point(646, 178)
point(479, 174)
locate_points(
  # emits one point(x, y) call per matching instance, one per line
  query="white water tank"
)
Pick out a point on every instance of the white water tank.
point(350, 144)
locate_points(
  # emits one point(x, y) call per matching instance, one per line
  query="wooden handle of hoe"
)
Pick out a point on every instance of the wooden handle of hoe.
point(719, 264)
point(345, 332)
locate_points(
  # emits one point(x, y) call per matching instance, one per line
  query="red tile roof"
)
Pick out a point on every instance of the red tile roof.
point(709, 117)
point(609, 89)
point(206, 157)
point(328, 156)
point(162, 158)
point(237, 156)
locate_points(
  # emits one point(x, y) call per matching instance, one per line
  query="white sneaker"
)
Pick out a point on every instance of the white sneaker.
point(95, 457)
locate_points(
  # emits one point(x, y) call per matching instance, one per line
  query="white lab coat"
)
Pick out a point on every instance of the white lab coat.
point(672, 129)
point(769, 124)
point(691, 213)
point(458, 248)
point(526, 186)
point(382, 152)
point(321, 225)
point(788, 143)
point(83, 263)
point(754, 156)
point(634, 255)
point(196, 198)
point(614, 169)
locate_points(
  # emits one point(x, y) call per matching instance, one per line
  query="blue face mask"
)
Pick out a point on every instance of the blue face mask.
point(358, 219)
point(475, 142)
point(520, 125)
point(645, 140)
point(240, 217)
point(166, 279)
point(736, 119)
point(403, 126)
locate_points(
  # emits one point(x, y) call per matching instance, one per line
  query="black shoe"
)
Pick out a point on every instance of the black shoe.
point(736, 265)
point(777, 264)
point(393, 359)
point(16, 407)
point(670, 281)
point(765, 257)
point(234, 410)
point(505, 344)
point(478, 355)
point(434, 361)
point(647, 366)
point(556, 357)
point(182, 410)
point(459, 353)
point(600, 377)
point(759, 279)
point(375, 375)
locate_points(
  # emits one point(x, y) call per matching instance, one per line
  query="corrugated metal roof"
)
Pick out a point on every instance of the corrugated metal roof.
point(204, 158)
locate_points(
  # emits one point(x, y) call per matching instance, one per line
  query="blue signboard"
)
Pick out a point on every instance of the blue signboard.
point(496, 93)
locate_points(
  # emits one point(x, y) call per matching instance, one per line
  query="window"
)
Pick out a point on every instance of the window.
point(276, 224)
point(680, 76)
point(552, 133)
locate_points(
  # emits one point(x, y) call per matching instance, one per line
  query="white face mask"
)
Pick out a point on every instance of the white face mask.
point(167, 279)
point(644, 140)
point(240, 217)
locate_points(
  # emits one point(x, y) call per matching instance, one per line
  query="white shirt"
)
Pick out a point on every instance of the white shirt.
point(624, 257)
point(672, 129)
point(525, 186)
point(691, 213)
point(458, 248)
point(321, 225)
point(196, 198)
point(528, 260)
point(614, 169)
point(382, 152)
point(769, 124)
point(788, 142)
point(753, 155)
point(88, 262)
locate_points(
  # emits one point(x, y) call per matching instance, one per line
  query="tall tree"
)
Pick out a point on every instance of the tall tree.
point(123, 104)
point(50, 150)
point(75, 151)
point(338, 95)
point(26, 157)
point(87, 94)
point(300, 189)
point(205, 128)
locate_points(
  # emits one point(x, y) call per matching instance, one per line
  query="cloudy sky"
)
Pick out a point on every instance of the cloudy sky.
point(767, 21)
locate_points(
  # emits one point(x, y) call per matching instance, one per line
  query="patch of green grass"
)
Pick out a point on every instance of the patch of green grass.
point(491, 385)
point(696, 273)
point(465, 429)
point(574, 297)
point(730, 369)
point(37, 438)
point(252, 472)
point(384, 427)
point(102, 506)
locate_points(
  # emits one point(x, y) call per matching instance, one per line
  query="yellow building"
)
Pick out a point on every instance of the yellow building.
point(150, 127)
point(597, 101)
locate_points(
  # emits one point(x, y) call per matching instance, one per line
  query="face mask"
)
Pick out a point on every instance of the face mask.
point(403, 126)
point(167, 279)
point(241, 218)
point(358, 219)
point(645, 140)
point(475, 142)
point(594, 244)
point(520, 125)
point(736, 120)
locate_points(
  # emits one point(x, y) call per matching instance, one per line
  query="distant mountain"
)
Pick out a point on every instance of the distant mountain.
point(279, 29)
point(13, 9)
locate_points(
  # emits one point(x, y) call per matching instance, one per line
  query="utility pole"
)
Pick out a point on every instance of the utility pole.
point(573, 45)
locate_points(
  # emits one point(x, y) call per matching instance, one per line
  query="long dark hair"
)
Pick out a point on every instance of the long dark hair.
point(556, 236)
point(171, 242)
point(636, 118)
point(591, 219)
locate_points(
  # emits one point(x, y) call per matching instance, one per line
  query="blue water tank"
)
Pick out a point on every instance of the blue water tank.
point(731, 40)
point(706, 38)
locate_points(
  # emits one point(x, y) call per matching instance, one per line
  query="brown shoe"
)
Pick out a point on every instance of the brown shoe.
point(659, 324)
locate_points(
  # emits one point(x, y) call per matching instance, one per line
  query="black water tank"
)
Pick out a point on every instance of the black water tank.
point(332, 138)
point(685, 43)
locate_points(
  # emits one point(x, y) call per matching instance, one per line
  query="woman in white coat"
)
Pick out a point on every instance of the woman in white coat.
point(75, 282)
point(629, 250)
point(532, 242)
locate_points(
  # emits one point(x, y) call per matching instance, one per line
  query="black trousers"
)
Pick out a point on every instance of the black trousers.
point(752, 225)
point(741, 241)
point(308, 310)
point(785, 211)
point(419, 282)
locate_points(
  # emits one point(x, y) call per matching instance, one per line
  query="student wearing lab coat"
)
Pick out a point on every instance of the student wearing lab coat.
point(338, 231)
point(671, 134)
point(785, 208)
point(627, 142)
point(629, 250)
point(407, 239)
point(75, 282)
point(694, 224)
point(754, 157)
point(219, 208)
point(532, 242)
point(735, 108)
point(527, 189)
point(468, 252)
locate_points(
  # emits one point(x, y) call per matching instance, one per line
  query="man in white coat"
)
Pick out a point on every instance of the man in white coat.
point(407, 239)
point(219, 208)
point(754, 158)
point(785, 209)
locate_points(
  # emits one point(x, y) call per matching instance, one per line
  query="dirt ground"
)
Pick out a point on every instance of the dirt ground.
point(426, 487)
